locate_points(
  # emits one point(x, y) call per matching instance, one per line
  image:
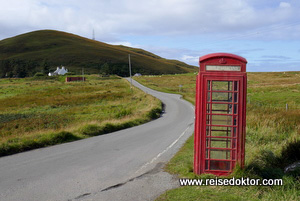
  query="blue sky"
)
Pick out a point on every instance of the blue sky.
point(265, 32)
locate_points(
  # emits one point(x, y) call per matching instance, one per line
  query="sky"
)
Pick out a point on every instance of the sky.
point(265, 32)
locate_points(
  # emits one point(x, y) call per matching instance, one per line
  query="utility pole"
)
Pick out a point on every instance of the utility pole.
point(130, 71)
point(93, 34)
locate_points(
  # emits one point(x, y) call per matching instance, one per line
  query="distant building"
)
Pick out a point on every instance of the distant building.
point(137, 74)
point(59, 71)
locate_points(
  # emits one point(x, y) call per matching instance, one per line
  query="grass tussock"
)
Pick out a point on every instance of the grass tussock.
point(272, 139)
point(16, 145)
point(38, 113)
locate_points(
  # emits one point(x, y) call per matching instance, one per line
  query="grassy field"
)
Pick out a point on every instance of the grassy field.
point(272, 139)
point(38, 112)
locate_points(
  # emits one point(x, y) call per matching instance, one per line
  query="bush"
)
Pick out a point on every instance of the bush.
point(290, 153)
point(61, 137)
point(155, 113)
point(266, 165)
point(91, 130)
point(39, 74)
point(70, 73)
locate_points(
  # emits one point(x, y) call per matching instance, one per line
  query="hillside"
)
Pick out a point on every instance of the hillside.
point(44, 50)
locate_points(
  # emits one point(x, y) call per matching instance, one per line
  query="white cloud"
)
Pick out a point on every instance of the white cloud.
point(190, 59)
point(174, 23)
point(284, 5)
point(125, 43)
point(136, 17)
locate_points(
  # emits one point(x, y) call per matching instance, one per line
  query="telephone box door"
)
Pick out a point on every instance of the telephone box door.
point(222, 124)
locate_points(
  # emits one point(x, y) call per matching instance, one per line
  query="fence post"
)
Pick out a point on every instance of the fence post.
point(286, 107)
point(180, 87)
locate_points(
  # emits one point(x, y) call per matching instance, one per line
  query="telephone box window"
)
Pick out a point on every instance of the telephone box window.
point(221, 108)
point(219, 142)
point(220, 131)
point(220, 165)
point(221, 120)
point(222, 86)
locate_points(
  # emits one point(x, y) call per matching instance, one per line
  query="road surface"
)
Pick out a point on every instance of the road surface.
point(124, 165)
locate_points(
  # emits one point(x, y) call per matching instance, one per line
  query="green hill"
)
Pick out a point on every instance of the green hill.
point(41, 51)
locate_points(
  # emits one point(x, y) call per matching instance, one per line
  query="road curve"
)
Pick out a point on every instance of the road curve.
point(86, 169)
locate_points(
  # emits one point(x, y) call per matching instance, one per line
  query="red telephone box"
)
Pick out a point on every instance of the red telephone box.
point(220, 122)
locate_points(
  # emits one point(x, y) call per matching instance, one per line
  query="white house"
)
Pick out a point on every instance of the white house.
point(137, 74)
point(59, 71)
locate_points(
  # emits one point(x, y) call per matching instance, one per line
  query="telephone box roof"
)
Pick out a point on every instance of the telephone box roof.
point(214, 55)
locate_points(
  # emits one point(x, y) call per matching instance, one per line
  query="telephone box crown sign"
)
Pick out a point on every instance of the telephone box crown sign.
point(222, 62)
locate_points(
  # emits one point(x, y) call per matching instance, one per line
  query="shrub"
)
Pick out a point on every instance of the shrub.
point(39, 74)
point(70, 73)
point(91, 130)
point(61, 137)
point(155, 113)
point(290, 153)
point(266, 165)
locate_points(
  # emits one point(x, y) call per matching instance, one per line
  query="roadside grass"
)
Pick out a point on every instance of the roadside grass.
point(172, 84)
point(46, 111)
point(272, 139)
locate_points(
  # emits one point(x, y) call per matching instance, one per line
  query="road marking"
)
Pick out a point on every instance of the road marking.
point(161, 153)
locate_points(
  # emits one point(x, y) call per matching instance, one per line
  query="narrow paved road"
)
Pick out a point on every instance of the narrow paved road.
point(124, 165)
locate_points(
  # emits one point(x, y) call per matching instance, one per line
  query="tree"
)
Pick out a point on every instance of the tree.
point(105, 69)
point(4, 68)
point(45, 67)
point(19, 69)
